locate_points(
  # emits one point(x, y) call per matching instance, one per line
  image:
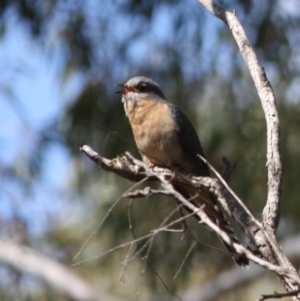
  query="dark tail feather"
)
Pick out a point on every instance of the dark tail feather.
point(239, 259)
point(214, 212)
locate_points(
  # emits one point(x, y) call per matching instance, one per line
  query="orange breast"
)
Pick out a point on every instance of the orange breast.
point(155, 134)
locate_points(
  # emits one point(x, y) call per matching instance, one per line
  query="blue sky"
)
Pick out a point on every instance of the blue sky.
point(30, 97)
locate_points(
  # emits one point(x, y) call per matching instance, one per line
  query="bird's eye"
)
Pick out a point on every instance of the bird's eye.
point(143, 88)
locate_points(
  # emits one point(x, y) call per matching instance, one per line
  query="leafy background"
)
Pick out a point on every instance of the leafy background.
point(60, 61)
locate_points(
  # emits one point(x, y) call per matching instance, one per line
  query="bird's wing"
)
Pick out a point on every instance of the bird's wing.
point(189, 141)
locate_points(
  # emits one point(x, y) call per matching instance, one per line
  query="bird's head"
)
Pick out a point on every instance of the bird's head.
point(140, 87)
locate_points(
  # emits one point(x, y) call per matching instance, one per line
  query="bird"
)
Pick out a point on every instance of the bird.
point(165, 137)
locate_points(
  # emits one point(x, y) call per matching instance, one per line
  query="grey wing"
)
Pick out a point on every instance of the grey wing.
point(190, 142)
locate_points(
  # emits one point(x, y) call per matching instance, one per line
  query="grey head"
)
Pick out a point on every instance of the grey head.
point(144, 87)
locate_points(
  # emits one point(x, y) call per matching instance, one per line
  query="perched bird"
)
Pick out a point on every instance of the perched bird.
point(165, 137)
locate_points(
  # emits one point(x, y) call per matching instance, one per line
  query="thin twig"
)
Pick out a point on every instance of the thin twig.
point(102, 221)
point(279, 295)
point(144, 264)
point(148, 264)
point(227, 186)
point(155, 232)
point(78, 263)
point(229, 168)
point(160, 229)
point(96, 229)
point(184, 259)
point(125, 262)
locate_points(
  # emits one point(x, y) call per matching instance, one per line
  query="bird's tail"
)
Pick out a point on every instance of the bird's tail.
point(225, 226)
point(214, 212)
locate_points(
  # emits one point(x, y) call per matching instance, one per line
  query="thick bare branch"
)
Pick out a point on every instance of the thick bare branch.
point(271, 212)
point(146, 192)
point(119, 165)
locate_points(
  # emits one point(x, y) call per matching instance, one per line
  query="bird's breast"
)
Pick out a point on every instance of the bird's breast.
point(155, 133)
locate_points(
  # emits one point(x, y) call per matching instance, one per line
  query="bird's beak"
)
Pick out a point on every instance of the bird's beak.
point(121, 91)
point(125, 89)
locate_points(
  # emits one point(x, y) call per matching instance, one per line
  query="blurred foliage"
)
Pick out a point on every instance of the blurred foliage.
point(194, 58)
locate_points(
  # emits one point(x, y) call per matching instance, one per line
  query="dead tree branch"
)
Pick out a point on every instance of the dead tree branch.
point(271, 212)
point(137, 170)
